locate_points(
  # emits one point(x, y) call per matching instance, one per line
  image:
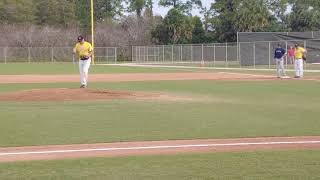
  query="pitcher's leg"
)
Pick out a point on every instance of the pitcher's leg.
point(82, 74)
point(296, 67)
point(86, 67)
point(301, 67)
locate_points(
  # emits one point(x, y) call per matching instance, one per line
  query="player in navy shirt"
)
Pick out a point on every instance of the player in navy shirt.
point(279, 53)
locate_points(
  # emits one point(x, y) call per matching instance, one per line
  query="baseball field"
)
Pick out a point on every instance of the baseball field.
point(157, 123)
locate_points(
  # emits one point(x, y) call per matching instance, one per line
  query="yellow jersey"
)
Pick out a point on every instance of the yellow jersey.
point(83, 49)
point(298, 52)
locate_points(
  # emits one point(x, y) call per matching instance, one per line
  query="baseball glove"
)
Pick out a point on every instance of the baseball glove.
point(84, 57)
point(304, 58)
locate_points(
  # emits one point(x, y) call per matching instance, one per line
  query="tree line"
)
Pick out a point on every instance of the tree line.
point(219, 23)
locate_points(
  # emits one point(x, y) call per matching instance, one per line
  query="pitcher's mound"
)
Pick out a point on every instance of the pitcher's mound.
point(65, 94)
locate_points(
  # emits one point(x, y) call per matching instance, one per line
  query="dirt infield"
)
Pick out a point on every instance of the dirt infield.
point(65, 94)
point(156, 147)
point(6, 79)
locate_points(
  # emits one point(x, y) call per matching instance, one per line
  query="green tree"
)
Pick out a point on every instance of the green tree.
point(107, 10)
point(137, 6)
point(2, 12)
point(149, 8)
point(17, 11)
point(82, 12)
point(58, 12)
point(184, 6)
point(252, 15)
point(198, 33)
point(279, 9)
point(223, 19)
point(176, 28)
point(304, 15)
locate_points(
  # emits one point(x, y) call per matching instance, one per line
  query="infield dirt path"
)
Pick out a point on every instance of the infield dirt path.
point(6, 79)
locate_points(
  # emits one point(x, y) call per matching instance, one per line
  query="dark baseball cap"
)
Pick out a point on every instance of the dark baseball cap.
point(80, 38)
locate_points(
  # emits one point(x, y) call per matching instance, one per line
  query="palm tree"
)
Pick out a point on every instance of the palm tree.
point(252, 15)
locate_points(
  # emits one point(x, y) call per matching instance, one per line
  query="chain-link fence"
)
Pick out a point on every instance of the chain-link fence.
point(256, 49)
point(255, 55)
point(53, 54)
point(219, 54)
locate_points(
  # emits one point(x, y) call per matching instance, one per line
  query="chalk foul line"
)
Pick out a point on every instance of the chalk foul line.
point(161, 147)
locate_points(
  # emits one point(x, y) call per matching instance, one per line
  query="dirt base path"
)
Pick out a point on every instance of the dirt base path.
point(156, 147)
point(5, 79)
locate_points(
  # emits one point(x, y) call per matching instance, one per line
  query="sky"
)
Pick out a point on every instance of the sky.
point(163, 11)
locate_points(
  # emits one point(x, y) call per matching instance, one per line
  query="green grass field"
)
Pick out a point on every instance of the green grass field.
point(230, 109)
point(277, 165)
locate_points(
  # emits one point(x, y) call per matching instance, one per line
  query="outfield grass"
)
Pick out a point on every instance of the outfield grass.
point(231, 109)
point(278, 165)
point(69, 68)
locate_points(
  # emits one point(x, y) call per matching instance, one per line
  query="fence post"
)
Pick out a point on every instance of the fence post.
point(107, 53)
point(172, 53)
point(202, 59)
point(286, 56)
point(269, 50)
point(137, 57)
point(254, 55)
point(158, 54)
point(132, 53)
point(5, 54)
point(226, 64)
point(191, 52)
point(304, 62)
point(147, 54)
point(144, 54)
point(214, 55)
point(116, 55)
point(29, 55)
point(52, 55)
point(163, 53)
point(180, 52)
point(239, 54)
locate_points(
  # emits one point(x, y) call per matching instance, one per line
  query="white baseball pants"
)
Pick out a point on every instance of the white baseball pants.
point(84, 66)
point(298, 66)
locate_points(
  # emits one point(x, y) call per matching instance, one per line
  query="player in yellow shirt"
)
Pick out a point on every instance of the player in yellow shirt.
point(83, 50)
point(299, 52)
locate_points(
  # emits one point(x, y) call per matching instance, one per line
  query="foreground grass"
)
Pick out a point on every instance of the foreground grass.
point(230, 109)
point(279, 165)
